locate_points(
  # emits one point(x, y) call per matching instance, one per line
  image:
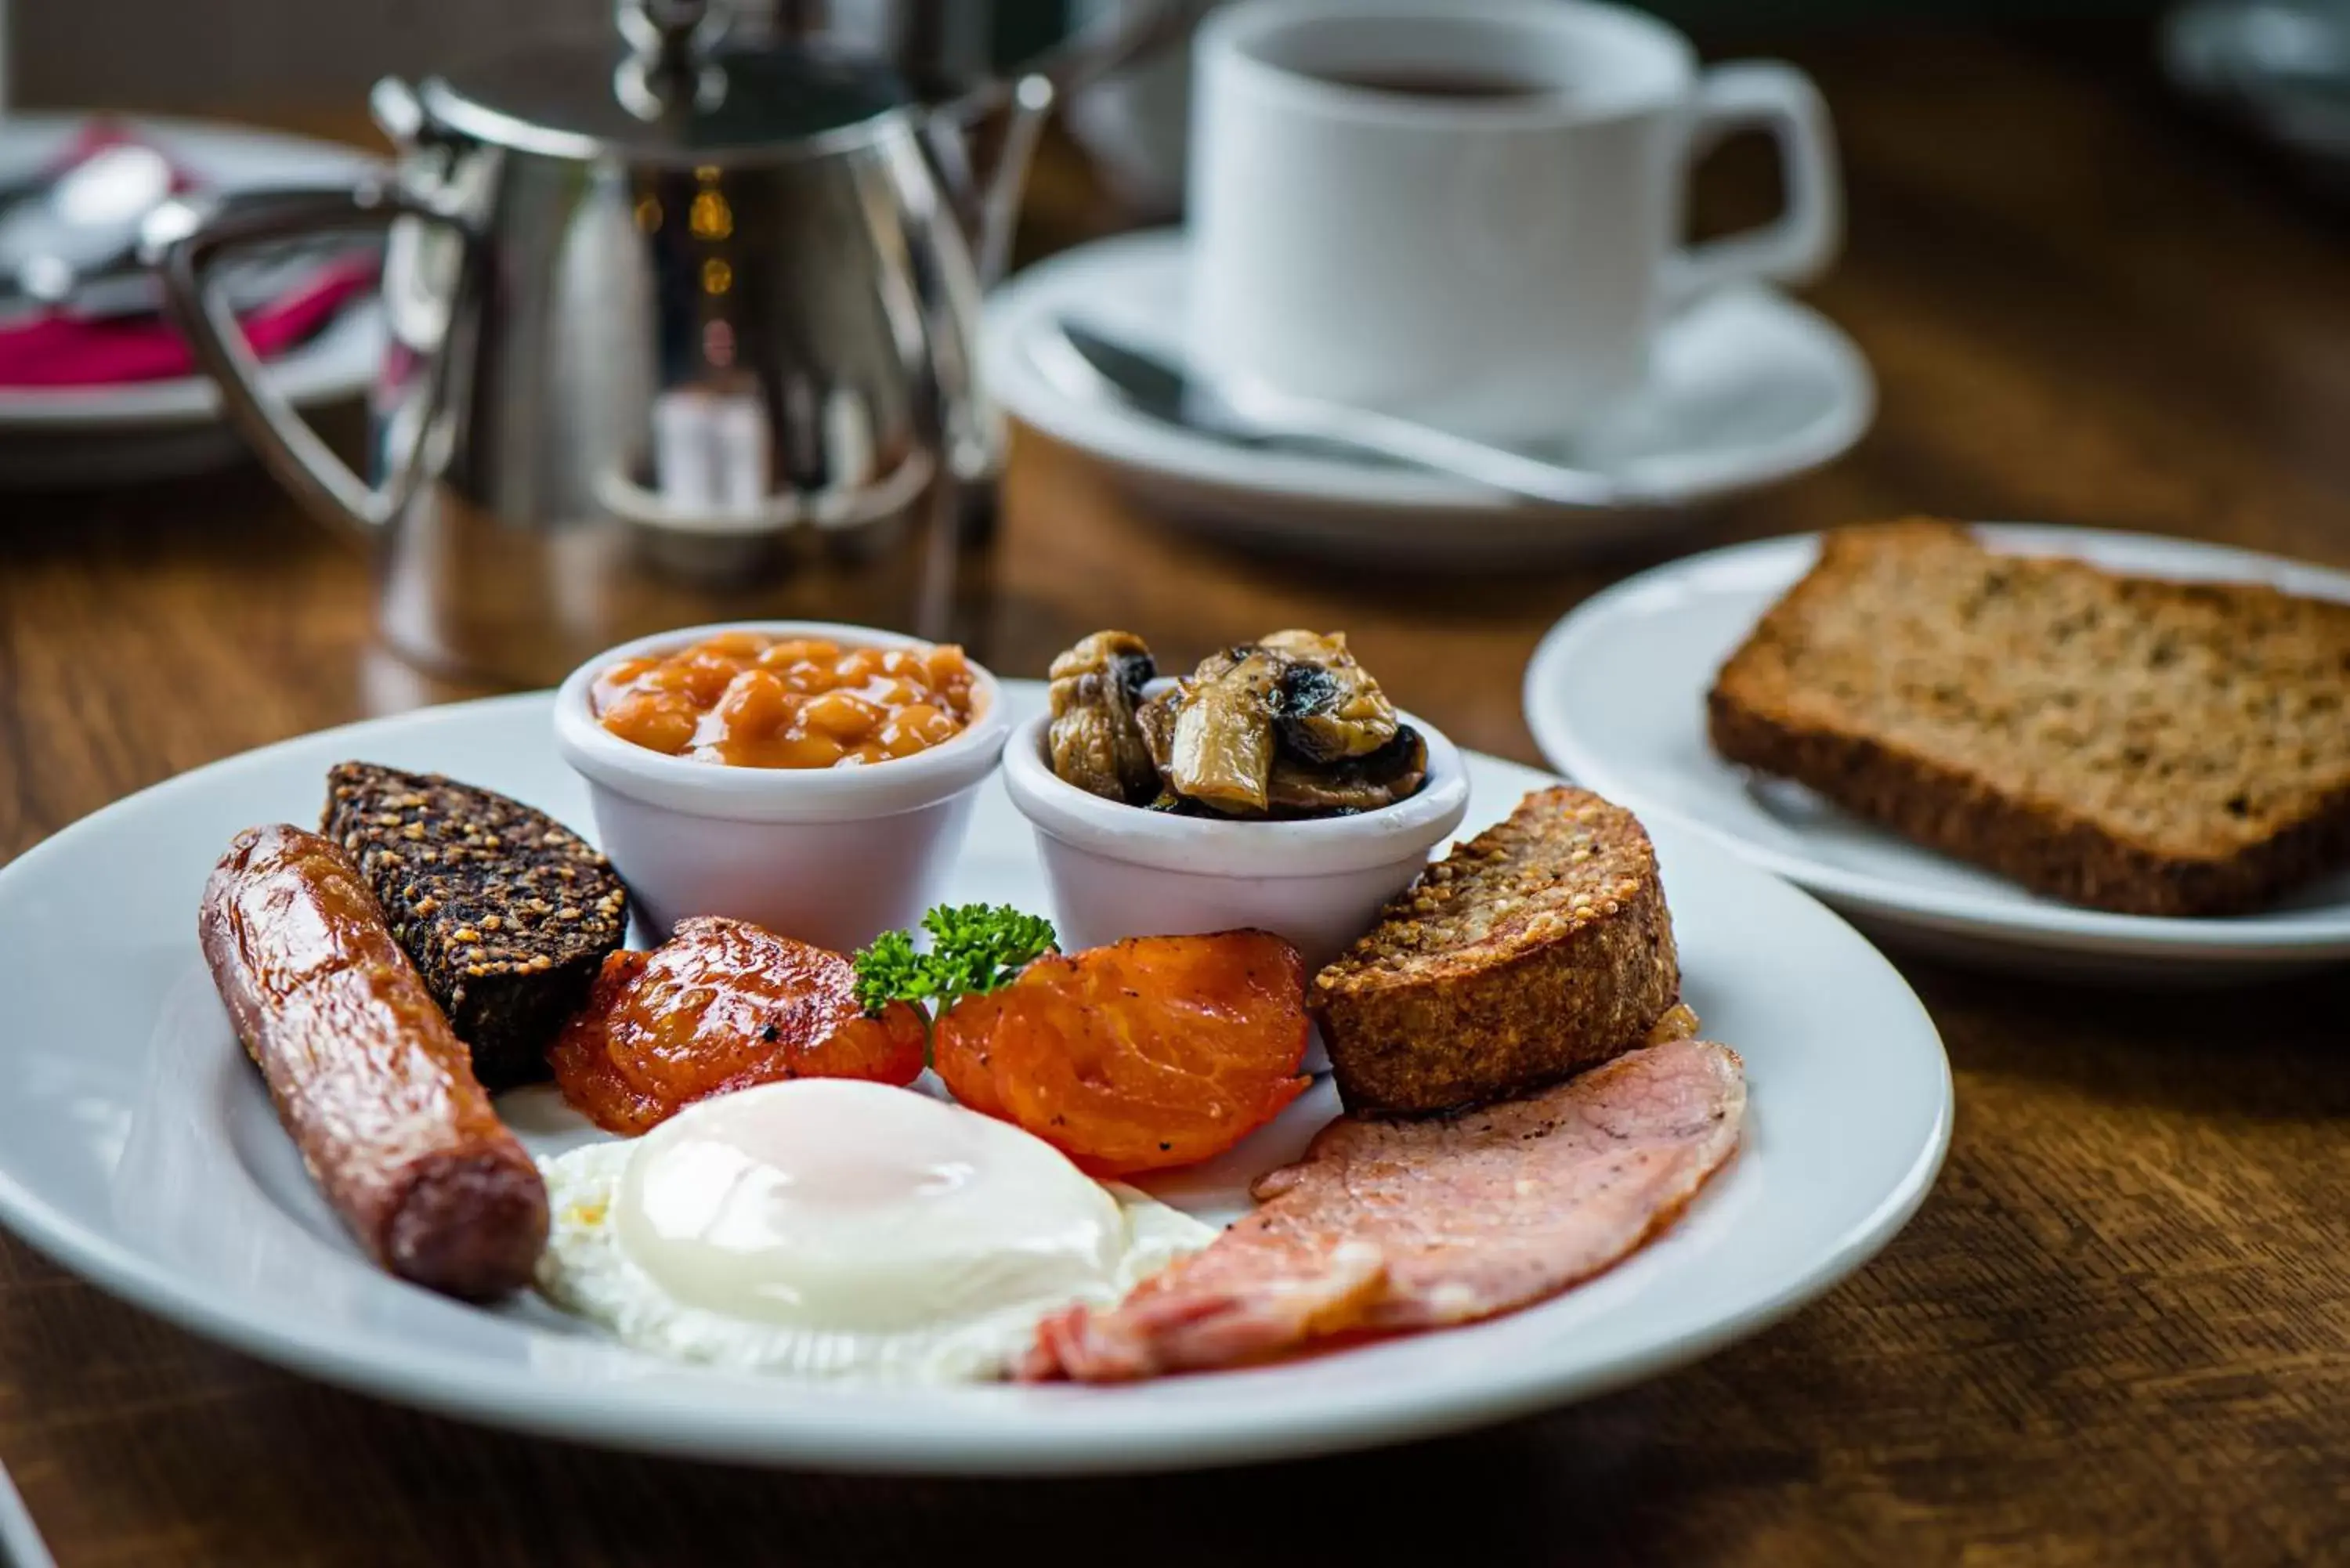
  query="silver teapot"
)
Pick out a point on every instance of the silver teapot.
point(683, 328)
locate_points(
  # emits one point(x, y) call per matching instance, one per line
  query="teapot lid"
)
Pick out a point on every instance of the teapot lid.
point(670, 90)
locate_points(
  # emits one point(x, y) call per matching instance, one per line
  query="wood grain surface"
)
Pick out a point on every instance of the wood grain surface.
point(2119, 1332)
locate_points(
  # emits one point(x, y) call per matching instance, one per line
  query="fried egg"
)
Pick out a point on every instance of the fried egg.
point(828, 1226)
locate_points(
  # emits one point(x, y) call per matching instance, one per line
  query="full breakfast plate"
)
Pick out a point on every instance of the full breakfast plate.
point(138, 1146)
point(1633, 726)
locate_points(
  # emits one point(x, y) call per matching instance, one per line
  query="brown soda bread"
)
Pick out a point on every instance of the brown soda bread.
point(2128, 743)
point(1538, 949)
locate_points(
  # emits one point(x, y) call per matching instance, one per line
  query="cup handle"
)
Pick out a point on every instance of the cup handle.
point(324, 484)
point(1763, 95)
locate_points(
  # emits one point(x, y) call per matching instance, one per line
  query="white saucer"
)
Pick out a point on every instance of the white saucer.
point(71, 436)
point(1748, 388)
point(138, 1148)
point(1616, 698)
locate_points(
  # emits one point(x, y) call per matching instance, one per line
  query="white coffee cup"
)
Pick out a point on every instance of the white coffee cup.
point(1495, 262)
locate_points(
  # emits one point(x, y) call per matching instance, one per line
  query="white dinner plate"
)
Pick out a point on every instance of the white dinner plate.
point(137, 1148)
point(1746, 388)
point(155, 430)
point(1616, 698)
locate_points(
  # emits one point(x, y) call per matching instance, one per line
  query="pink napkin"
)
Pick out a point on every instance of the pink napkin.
point(52, 348)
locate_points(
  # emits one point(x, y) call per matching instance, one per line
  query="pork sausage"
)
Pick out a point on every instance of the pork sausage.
point(368, 1077)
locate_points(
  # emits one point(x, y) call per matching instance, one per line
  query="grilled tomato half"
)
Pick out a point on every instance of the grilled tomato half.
point(1151, 1053)
point(722, 1005)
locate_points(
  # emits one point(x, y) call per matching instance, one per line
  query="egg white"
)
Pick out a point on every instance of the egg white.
point(586, 1270)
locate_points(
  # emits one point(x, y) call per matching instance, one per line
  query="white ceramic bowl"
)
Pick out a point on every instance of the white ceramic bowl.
point(1119, 871)
point(828, 856)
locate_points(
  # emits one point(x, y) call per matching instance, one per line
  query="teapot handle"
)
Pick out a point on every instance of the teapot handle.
point(980, 146)
point(320, 481)
point(1000, 186)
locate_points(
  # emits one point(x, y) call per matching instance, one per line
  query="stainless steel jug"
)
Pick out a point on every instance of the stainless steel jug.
point(682, 329)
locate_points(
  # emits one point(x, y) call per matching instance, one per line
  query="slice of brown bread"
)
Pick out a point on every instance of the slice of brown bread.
point(1537, 948)
point(2153, 747)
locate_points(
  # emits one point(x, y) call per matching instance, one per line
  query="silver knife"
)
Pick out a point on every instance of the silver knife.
point(1086, 363)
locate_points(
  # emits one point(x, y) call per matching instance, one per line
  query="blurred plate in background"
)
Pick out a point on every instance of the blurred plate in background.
point(73, 436)
point(1616, 698)
point(2280, 66)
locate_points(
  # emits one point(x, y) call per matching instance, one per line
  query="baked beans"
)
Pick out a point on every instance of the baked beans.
point(751, 700)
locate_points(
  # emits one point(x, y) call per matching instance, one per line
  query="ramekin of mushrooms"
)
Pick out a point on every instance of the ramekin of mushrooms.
point(1286, 727)
point(1274, 786)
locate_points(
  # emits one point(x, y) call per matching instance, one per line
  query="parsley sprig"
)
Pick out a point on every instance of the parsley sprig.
point(974, 949)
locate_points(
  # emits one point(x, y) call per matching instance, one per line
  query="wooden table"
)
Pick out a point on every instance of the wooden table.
point(2118, 1331)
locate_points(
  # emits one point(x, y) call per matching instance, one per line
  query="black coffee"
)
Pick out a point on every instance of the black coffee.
point(1408, 81)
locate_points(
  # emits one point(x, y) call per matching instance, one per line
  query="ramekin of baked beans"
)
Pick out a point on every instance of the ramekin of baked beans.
point(753, 700)
point(811, 778)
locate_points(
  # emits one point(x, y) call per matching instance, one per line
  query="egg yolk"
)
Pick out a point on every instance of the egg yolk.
point(841, 1204)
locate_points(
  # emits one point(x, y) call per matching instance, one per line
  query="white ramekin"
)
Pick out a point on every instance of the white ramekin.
point(1119, 871)
point(828, 856)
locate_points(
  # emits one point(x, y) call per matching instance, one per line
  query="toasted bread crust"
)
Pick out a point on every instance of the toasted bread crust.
point(1538, 949)
point(2076, 795)
point(2040, 845)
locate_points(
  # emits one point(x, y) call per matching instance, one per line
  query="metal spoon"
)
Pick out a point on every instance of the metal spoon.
point(86, 225)
point(1085, 363)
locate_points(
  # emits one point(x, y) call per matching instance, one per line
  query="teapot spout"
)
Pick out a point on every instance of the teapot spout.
point(983, 146)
